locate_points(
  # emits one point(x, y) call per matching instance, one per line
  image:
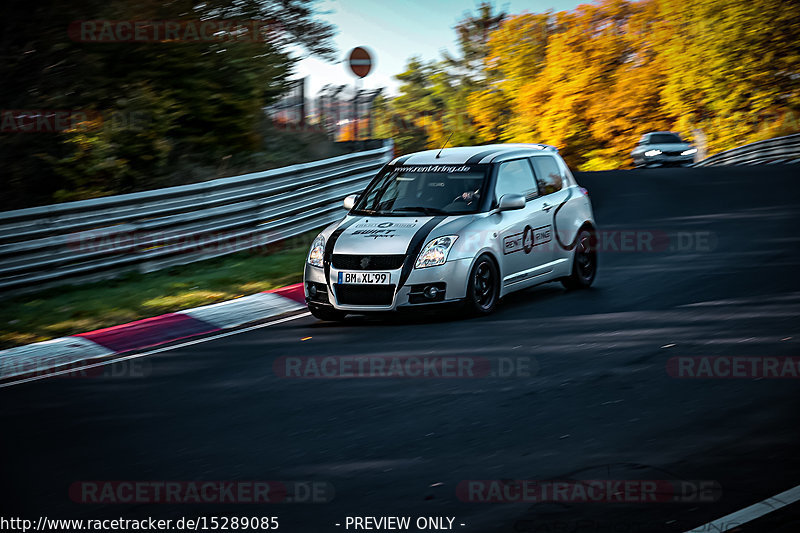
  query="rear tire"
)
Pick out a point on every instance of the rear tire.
point(584, 262)
point(327, 314)
point(483, 289)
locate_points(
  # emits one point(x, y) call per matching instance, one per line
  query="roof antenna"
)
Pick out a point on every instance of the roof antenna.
point(445, 144)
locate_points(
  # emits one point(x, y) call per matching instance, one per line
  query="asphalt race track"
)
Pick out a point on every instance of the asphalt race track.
point(596, 403)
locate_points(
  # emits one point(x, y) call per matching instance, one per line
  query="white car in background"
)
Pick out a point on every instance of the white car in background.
point(663, 148)
point(468, 225)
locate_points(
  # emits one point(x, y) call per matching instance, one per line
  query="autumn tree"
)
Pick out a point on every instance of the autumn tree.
point(515, 56)
point(434, 100)
point(593, 79)
point(197, 102)
point(732, 67)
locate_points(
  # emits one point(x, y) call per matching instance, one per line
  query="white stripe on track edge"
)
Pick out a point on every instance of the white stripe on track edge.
point(157, 350)
point(748, 514)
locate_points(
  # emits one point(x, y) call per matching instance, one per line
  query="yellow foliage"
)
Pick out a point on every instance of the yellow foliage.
point(594, 79)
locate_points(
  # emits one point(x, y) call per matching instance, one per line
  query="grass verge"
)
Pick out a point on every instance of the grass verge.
point(68, 310)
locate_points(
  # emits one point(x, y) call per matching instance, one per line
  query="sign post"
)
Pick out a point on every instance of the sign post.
point(360, 62)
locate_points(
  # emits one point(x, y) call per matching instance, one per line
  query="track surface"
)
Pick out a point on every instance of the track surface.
point(600, 404)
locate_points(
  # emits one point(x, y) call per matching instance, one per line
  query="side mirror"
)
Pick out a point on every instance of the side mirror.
point(510, 202)
point(350, 201)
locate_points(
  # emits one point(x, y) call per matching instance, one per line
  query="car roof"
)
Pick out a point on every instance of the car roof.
point(490, 153)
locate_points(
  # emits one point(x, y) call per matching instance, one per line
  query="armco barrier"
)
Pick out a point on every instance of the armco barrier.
point(778, 150)
point(98, 239)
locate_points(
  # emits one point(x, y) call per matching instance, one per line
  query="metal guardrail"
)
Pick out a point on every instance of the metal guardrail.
point(778, 150)
point(90, 240)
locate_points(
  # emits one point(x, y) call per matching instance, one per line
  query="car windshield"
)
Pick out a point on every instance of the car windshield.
point(429, 190)
point(664, 138)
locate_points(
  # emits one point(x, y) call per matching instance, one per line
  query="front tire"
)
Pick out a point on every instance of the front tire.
point(327, 314)
point(483, 288)
point(584, 263)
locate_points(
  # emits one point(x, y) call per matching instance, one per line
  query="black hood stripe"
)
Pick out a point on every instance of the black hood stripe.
point(415, 246)
point(331, 242)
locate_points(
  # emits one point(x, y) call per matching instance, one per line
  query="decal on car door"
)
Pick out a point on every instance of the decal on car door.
point(527, 239)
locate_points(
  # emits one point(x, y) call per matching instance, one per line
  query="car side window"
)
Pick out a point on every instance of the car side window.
point(548, 175)
point(515, 177)
point(566, 173)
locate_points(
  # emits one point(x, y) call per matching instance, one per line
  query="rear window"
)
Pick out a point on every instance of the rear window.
point(548, 175)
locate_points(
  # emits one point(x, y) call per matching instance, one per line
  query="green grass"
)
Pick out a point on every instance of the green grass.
point(68, 310)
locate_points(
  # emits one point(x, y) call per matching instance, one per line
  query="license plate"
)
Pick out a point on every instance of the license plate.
point(368, 278)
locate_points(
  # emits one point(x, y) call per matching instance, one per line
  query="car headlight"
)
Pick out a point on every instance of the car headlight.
point(317, 252)
point(435, 252)
point(651, 153)
point(690, 151)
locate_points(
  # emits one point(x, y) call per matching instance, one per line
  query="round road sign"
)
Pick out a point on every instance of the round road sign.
point(360, 61)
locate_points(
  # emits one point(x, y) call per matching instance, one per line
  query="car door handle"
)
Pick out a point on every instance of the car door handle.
point(546, 207)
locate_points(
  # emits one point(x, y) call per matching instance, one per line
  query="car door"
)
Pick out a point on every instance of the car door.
point(518, 227)
point(553, 183)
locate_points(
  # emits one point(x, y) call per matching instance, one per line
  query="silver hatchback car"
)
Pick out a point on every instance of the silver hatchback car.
point(468, 225)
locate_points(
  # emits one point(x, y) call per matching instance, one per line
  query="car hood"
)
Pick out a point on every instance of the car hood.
point(378, 235)
point(669, 147)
